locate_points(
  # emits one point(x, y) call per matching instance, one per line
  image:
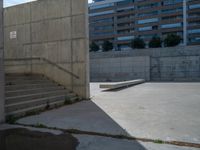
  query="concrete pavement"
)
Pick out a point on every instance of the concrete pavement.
point(165, 111)
point(102, 143)
point(91, 142)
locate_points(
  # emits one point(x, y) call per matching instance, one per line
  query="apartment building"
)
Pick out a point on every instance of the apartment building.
point(120, 21)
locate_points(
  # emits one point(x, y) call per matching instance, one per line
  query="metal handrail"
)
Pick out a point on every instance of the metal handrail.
point(45, 60)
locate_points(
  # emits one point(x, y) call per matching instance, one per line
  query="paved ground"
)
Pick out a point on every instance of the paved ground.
point(23, 139)
point(102, 143)
point(49, 139)
point(166, 111)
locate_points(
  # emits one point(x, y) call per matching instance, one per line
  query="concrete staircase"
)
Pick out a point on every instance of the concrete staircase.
point(28, 93)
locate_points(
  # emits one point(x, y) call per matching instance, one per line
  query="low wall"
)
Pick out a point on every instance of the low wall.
point(120, 68)
point(1, 65)
point(53, 29)
point(160, 64)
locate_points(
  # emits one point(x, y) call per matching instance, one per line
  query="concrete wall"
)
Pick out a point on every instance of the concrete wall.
point(1, 65)
point(53, 29)
point(164, 64)
point(120, 68)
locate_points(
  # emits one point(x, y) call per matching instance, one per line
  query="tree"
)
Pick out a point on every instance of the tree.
point(107, 46)
point(138, 43)
point(155, 42)
point(94, 47)
point(172, 40)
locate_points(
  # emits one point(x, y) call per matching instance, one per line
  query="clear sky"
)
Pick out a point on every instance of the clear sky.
point(14, 2)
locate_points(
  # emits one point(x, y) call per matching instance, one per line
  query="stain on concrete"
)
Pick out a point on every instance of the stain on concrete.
point(23, 139)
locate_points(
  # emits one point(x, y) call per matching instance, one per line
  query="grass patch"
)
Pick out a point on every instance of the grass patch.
point(39, 125)
point(31, 113)
point(158, 141)
point(11, 119)
point(67, 101)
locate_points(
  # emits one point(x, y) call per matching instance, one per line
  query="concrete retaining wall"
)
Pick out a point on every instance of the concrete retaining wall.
point(160, 64)
point(120, 68)
point(53, 29)
point(1, 65)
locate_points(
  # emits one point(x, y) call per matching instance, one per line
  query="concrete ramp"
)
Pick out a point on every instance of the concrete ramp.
point(116, 85)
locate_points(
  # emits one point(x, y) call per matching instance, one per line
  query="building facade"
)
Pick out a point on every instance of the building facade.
point(120, 21)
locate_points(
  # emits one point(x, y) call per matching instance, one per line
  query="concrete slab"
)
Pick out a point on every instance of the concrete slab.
point(86, 116)
point(115, 85)
point(166, 111)
point(23, 139)
point(102, 143)
point(90, 142)
point(9, 126)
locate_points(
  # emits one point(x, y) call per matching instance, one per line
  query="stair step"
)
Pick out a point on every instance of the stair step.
point(24, 111)
point(33, 103)
point(19, 75)
point(28, 93)
point(32, 91)
point(22, 98)
point(13, 77)
point(72, 99)
point(29, 86)
point(25, 82)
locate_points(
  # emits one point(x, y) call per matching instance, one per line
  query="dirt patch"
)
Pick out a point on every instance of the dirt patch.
point(23, 139)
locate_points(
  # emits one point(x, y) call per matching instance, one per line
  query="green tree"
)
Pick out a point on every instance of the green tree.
point(172, 40)
point(94, 47)
point(138, 43)
point(107, 46)
point(155, 42)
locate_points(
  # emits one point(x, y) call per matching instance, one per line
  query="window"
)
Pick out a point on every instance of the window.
point(145, 28)
point(125, 17)
point(167, 11)
point(125, 2)
point(155, 27)
point(106, 20)
point(171, 2)
point(125, 24)
point(172, 17)
point(123, 31)
point(194, 23)
point(125, 8)
point(124, 38)
point(194, 15)
point(195, 6)
point(102, 13)
point(194, 31)
point(148, 14)
point(147, 20)
point(148, 36)
point(195, 39)
point(100, 6)
point(177, 33)
point(101, 33)
point(148, 6)
point(174, 25)
point(103, 28)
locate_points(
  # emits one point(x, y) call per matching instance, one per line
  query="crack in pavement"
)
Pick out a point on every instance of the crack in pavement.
point(80, 132)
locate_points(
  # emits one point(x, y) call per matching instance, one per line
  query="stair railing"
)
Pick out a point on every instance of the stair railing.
point(44, 60)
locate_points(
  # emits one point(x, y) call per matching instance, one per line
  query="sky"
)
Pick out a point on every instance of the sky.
point(15, 2)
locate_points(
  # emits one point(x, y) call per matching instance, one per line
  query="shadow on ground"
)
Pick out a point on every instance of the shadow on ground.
point(23, 139)
point(119, 89)
point(84, 116)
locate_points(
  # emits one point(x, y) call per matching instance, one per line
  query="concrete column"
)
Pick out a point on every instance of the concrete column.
point(1, 65)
